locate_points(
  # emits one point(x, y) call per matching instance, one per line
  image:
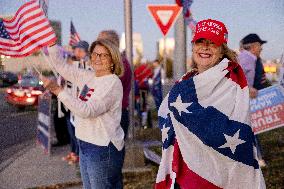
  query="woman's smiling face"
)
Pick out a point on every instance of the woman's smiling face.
point(206, 54)
point(101, 60)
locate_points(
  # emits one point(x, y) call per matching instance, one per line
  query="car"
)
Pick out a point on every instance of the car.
point(7, 79)
point(25, 92)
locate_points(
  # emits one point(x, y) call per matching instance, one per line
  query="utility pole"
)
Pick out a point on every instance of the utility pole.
point(134, 156)
point(165, 56)
point(129, 55)
point(179, 66)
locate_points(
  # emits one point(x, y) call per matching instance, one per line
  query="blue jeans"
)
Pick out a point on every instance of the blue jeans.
point(100, 166)
point(73, 140)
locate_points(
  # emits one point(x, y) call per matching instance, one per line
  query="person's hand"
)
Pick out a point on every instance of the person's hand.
point(51, 85)
point(51, 45)
point(253, 92)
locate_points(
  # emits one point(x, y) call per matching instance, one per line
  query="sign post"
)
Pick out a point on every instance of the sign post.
point(164, 16)
point(179, 66)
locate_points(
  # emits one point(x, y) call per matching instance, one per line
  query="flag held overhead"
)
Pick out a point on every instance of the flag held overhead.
point(28, 31)
point(74, 35)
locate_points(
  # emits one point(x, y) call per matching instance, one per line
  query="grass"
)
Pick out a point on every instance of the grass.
point(272, 143)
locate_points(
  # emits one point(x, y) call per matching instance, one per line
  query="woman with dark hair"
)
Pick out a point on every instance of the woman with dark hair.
point(207, 137)
point(98, 113)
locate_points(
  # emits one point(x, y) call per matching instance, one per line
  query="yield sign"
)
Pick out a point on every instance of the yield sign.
point(164, 15)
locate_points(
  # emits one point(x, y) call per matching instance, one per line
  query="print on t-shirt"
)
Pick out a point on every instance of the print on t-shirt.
point(86, 93)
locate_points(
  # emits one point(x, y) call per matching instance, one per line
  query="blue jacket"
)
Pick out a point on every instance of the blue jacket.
point(260, 81)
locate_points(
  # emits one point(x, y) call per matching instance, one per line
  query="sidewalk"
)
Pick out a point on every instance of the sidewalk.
point(31, 168)
point(34, 169)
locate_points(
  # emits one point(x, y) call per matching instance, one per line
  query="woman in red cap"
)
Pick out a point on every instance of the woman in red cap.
point(206, 132)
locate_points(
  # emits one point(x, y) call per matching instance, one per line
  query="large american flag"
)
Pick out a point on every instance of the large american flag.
point(207, 138)
point(74, 36)
point(26, 32)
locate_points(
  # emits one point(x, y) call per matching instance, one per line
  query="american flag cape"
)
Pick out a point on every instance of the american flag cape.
point(207, 138)
point(74, 36)
point(26, 32)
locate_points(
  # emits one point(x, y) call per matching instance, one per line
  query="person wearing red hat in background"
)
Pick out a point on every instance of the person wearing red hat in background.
point(249, 59)
point(142, 73)
point(205, 120)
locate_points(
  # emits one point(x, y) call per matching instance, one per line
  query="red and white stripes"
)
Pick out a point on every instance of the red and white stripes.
point(29, 30)
point(74, 35)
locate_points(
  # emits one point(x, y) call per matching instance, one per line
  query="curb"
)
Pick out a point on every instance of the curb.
point(59, 185)
point(24, 149)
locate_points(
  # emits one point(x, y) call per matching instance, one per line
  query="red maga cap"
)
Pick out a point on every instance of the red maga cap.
point(212, 30)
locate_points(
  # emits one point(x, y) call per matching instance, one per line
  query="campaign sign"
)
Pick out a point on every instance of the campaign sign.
point(44, 121)
point(267, 110)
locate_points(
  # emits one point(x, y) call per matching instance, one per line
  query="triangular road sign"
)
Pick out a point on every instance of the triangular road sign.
point(164, 15)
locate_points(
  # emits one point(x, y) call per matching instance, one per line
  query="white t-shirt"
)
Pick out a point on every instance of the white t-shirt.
point(98, 106)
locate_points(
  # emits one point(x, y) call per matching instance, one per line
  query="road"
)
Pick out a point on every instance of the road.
point(17, 128)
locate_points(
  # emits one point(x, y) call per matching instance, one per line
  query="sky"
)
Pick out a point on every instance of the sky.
point(241, 17)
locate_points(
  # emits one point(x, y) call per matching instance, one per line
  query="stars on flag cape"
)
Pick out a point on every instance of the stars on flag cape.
point(232, 141)
point(181, 106)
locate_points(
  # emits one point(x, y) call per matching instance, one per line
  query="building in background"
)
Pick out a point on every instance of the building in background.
point(170, 47)
point(165, 53)
point(137, 46)
point(22, 65)
point(272, 70)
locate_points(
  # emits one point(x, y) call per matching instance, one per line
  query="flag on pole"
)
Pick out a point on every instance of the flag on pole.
point(28, 31)
point(44, 5)
point(207, 138)
point(74, 36)
point(186, 4)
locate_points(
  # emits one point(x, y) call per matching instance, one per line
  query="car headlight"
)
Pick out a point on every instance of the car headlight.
point(30, 100)
point(9, 91)
point(36, 92)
